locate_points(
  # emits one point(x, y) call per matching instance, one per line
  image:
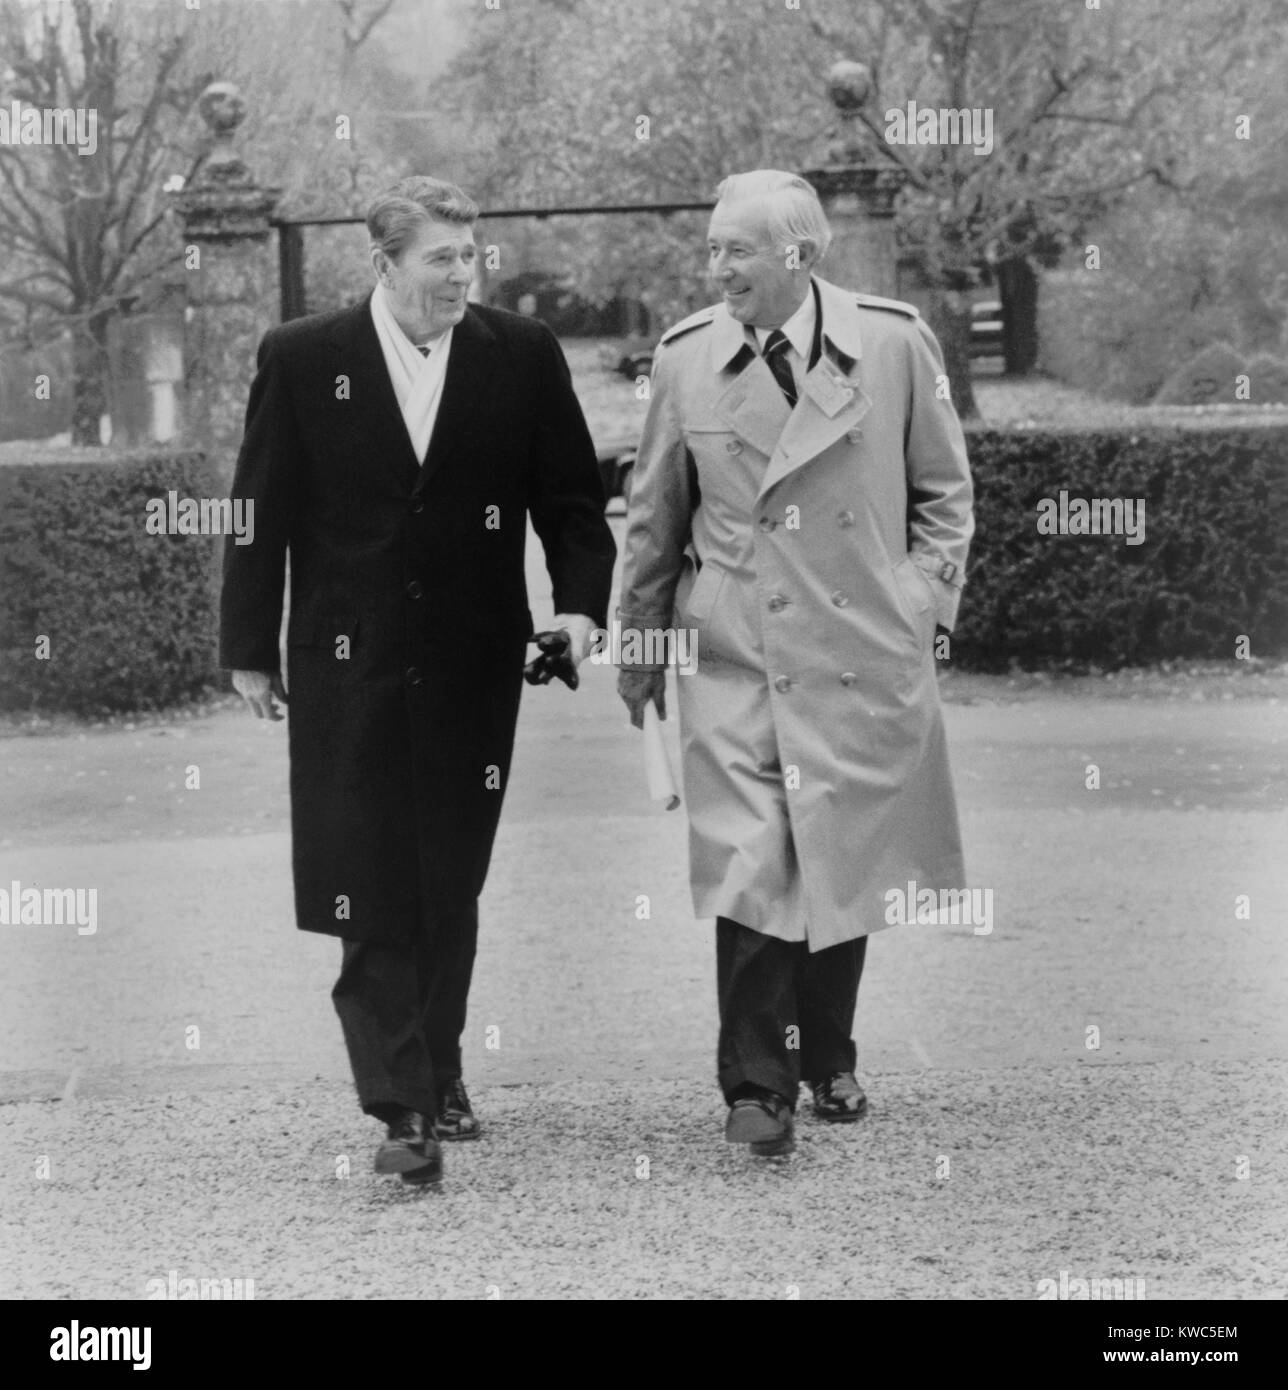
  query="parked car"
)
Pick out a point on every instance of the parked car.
point(632, 357)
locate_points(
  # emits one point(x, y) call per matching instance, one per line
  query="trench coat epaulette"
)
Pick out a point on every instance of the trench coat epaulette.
point(874, 301)
point(688, 325)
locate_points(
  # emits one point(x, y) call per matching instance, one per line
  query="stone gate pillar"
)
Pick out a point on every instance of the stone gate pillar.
point(858, 185)
point(231, 270)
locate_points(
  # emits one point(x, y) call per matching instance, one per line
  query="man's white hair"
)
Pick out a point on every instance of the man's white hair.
point(795, 213)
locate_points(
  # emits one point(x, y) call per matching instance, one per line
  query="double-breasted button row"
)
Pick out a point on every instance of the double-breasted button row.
point(845, 518)
point(776, 603)
point(733, 446)
point(783, 684)
point(415, 589)
point(767, 523)
point(414, 676)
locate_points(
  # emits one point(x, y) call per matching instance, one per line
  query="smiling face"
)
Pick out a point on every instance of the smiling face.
point(749, 271)
point(428, 284)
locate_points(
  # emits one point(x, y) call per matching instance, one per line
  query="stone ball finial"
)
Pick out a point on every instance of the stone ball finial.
point(849, 84)
point(222, 108)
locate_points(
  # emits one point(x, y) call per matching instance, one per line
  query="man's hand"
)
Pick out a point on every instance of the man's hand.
point(579, 628)
point(637, 688)
point(563, 646)
point(259, 689)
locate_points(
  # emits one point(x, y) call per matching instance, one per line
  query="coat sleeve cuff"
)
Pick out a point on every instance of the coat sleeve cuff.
point(637, 625)
point(946, 580)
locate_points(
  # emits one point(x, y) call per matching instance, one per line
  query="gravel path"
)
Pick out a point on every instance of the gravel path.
point(966, 1184)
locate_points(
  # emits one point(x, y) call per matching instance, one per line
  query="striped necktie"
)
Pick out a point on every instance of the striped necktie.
point(775, 354)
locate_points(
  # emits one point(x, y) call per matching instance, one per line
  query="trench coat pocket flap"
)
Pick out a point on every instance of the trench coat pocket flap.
point(318, 631)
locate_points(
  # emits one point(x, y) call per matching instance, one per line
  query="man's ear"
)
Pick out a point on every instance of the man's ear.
point(379, 262)
point(807, 250)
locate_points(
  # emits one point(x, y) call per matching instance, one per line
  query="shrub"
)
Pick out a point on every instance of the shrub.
point(130, 617)
point(1213, 565)
point(1207, 378)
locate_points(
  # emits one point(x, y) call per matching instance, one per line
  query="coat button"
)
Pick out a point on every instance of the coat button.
point(414, 676)
point(777, 603)
point(783, 684)
point(848, 678)
point(854, 435)
point(733, 446)
point(840, 599)
point(417, 506)
point(767, 523)
point(415, 589)
point(845, 518)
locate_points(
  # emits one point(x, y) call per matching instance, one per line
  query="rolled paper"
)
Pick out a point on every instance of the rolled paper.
point(657, 765)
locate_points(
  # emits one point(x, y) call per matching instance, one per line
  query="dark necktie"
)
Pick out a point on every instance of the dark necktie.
point(422, 349)
point(775, 354)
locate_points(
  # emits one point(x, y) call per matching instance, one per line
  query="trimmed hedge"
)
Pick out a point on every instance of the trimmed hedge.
point(131, 617)
point(1213, 565)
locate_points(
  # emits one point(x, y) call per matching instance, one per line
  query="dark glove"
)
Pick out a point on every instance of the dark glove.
point(555, 659)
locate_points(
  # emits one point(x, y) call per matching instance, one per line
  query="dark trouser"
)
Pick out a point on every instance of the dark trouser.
point(402, 1009)
point(786, 1014)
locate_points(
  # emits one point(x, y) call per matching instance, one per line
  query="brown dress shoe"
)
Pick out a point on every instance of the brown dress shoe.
point(763, 1121)
point(455, 1115)
point(839, 1098)
point(410, 1149)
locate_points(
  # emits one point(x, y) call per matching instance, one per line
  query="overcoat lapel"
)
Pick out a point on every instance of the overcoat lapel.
point(831, 404)
point(382, 436)
point(463, 407)
point(753, 406)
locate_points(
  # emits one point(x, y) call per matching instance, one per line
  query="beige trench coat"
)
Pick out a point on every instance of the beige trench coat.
point(813, 551)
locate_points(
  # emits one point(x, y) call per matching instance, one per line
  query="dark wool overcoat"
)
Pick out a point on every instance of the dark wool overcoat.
point(409, 613)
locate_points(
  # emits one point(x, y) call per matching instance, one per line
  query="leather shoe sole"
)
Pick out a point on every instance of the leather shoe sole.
point(409, 1161)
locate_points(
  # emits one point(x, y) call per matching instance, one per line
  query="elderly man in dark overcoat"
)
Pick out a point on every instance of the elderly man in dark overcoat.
point(396, 451)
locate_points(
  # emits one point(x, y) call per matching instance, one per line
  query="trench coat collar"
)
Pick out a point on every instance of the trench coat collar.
point(384, 435)
point(832, 400)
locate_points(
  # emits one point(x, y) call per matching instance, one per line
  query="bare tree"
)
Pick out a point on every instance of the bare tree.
point(81, 223)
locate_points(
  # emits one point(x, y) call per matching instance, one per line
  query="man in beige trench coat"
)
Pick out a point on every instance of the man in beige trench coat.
point(801, 500)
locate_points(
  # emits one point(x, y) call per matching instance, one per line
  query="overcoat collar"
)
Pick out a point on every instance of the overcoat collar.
point(832, 399)
point(383, 432)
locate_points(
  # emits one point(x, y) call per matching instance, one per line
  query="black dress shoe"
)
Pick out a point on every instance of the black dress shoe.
point(839, 1098)
point(455, 1115)
point(764, 1121)
point(410, 1149)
